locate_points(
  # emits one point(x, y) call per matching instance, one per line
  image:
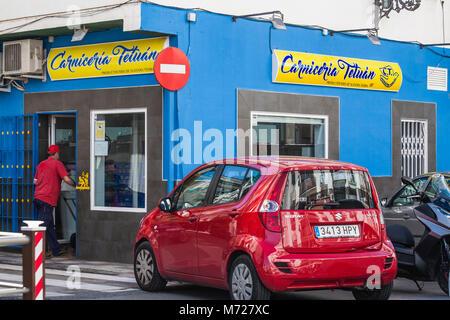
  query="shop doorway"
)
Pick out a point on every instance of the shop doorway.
point(60, 129)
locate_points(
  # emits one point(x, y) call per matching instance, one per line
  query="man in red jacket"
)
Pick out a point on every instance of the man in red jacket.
point(49, 175)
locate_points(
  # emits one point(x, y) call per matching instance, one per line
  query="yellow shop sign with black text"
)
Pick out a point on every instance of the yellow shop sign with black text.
point(323, 70)
point(105, 59)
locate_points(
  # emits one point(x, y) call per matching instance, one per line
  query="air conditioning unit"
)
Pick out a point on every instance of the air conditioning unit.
point(2, 82)
point(4, 86)
point(22, 57)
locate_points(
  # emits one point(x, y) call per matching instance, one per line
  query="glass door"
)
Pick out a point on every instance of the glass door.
point(63, 134)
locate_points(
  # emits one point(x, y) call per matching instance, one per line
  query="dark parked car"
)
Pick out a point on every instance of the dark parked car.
point(398, 209)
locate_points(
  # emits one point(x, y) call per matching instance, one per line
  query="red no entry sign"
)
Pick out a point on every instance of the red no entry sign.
point(172, 68)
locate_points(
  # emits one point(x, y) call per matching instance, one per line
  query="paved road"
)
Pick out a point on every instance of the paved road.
point(61, 284)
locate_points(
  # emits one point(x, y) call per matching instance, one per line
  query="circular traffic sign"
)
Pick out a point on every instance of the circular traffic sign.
point(172, 68)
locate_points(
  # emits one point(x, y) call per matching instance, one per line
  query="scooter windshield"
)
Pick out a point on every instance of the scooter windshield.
point(442, 192)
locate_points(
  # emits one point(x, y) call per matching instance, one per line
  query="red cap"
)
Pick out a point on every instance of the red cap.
point(53, 149)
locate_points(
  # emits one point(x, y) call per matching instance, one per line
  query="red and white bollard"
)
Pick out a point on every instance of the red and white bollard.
point(33, 257)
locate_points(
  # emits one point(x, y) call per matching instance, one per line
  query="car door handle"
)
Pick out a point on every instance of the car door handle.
point(192, 219)
point(233, 214)
point(406, 216)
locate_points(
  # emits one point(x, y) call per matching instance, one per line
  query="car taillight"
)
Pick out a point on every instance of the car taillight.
point(269, 215)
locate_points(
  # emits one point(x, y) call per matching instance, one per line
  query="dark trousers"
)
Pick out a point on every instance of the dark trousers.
point(45, 213)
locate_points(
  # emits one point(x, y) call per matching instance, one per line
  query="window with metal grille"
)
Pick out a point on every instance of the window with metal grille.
point(414, 147)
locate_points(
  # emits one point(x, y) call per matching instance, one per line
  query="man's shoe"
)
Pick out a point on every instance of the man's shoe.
point(62, 252)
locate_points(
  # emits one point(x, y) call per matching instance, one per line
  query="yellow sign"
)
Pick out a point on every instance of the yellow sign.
point(83, 181)
point(105, 59)
point(100, 130)
point(322, 70)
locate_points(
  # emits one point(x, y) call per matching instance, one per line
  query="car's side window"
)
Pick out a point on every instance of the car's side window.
point(400, 199)
point(229, 184)
point(234, 183)
point(250, 179)
point(194, 190)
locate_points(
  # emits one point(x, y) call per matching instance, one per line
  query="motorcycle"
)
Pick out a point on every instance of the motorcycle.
point(429, 259)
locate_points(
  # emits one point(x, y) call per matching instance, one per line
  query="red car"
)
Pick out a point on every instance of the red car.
point(259, 225)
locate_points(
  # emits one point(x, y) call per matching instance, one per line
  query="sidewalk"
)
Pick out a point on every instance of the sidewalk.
point(14, 257)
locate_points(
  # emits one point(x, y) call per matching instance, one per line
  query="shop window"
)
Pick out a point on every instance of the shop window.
point(119, 160)
point(291, 135)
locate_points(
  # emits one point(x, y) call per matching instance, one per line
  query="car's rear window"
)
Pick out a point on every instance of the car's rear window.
point(327, 189)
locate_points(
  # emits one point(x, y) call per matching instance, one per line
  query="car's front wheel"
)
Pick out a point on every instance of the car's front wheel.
point(374, 294)
point(145, 269)
point(244, 282)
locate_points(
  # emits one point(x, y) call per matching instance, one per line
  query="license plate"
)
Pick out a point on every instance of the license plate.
point(337, 231)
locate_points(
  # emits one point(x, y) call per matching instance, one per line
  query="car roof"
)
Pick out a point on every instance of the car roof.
point(289, 163)
point(429, 174)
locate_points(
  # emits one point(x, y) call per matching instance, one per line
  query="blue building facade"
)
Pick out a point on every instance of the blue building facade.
point(230, 82)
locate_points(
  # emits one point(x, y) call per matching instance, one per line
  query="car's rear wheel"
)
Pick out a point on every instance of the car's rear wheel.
point(374, 294)
point(145, 269)
point(244, 282)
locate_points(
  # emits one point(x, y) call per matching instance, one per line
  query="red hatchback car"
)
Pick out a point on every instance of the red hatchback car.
point(256, 226)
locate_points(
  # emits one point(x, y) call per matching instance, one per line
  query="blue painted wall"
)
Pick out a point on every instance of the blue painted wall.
point(226, 56)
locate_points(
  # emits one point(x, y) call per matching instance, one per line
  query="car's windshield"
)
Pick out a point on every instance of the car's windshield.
point(327, 189)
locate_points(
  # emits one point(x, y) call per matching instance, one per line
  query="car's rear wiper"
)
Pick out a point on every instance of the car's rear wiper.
point(331, 204)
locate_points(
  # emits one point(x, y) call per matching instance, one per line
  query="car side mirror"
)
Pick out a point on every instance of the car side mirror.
point(424, 197)
point(384, 202)
point(165, 204)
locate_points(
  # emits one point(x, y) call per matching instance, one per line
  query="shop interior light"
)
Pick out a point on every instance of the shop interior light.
point(276, 19)
point(79, 34)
